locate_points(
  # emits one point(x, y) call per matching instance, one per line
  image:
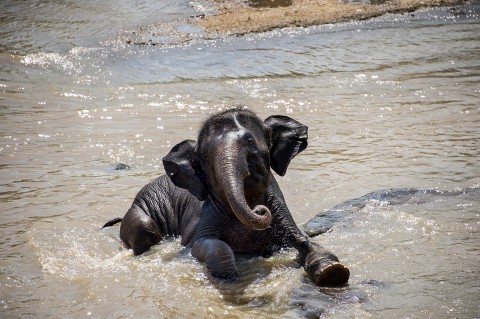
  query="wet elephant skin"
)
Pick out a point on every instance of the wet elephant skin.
point(220, 196)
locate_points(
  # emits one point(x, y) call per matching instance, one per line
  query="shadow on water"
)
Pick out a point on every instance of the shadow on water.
point(310, 301)
point(269, 3)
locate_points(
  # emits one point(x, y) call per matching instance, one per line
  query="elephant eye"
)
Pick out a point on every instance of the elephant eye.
point(252, 144)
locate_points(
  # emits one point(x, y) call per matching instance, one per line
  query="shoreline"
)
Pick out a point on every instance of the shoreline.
point(236, 18)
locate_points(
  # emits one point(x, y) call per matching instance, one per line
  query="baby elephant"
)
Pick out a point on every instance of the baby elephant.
point(220, 196)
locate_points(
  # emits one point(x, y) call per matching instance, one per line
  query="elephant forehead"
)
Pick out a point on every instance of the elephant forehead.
point(249, 124)
point(232, 128)
point(237, 123)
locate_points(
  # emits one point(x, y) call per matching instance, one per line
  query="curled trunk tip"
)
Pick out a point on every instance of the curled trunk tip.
point(258, 218)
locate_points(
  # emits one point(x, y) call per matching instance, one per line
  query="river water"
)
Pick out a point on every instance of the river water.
point(392, 102)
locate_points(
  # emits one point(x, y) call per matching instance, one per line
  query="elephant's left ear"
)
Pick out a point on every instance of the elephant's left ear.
point(183, 167)
point(289, 138)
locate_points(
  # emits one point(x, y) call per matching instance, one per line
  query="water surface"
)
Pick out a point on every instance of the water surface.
point(391, 102)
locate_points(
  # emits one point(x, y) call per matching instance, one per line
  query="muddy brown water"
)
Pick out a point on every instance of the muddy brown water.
point(390, 103)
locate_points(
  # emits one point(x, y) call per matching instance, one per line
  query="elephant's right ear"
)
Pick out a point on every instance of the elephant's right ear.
point(184, 169)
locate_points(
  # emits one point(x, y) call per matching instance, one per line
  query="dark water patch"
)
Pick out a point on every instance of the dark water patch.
point(374, 283)
point(269, 3)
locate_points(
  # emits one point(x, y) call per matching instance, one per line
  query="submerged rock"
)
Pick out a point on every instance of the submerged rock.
point(323, 221)
point(122, 167)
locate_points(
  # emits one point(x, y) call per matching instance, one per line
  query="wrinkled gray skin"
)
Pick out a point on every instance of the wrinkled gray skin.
point(220, 196)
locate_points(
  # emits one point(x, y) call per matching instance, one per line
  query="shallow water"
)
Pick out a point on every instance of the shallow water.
point(391, 102)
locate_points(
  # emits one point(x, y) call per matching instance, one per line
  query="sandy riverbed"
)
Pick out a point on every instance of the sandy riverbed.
point(237, 17)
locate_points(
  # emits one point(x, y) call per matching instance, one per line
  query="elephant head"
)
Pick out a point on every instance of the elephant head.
point(232, 160)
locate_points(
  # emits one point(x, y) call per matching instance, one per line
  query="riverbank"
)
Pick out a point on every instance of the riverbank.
point(237, 17)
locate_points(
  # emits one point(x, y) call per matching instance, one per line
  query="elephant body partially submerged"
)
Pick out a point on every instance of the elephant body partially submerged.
point(220, 196)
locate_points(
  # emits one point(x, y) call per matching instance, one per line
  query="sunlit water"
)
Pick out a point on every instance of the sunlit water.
point(392, 102)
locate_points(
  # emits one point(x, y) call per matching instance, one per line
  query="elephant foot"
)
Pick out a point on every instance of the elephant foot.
point(331, 273)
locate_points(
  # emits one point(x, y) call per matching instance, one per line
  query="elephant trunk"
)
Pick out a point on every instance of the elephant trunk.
point(231, 170)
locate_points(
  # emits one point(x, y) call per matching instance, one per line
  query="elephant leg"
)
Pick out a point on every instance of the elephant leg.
point(218, 257)
point(322, 266)
point(139, 231)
